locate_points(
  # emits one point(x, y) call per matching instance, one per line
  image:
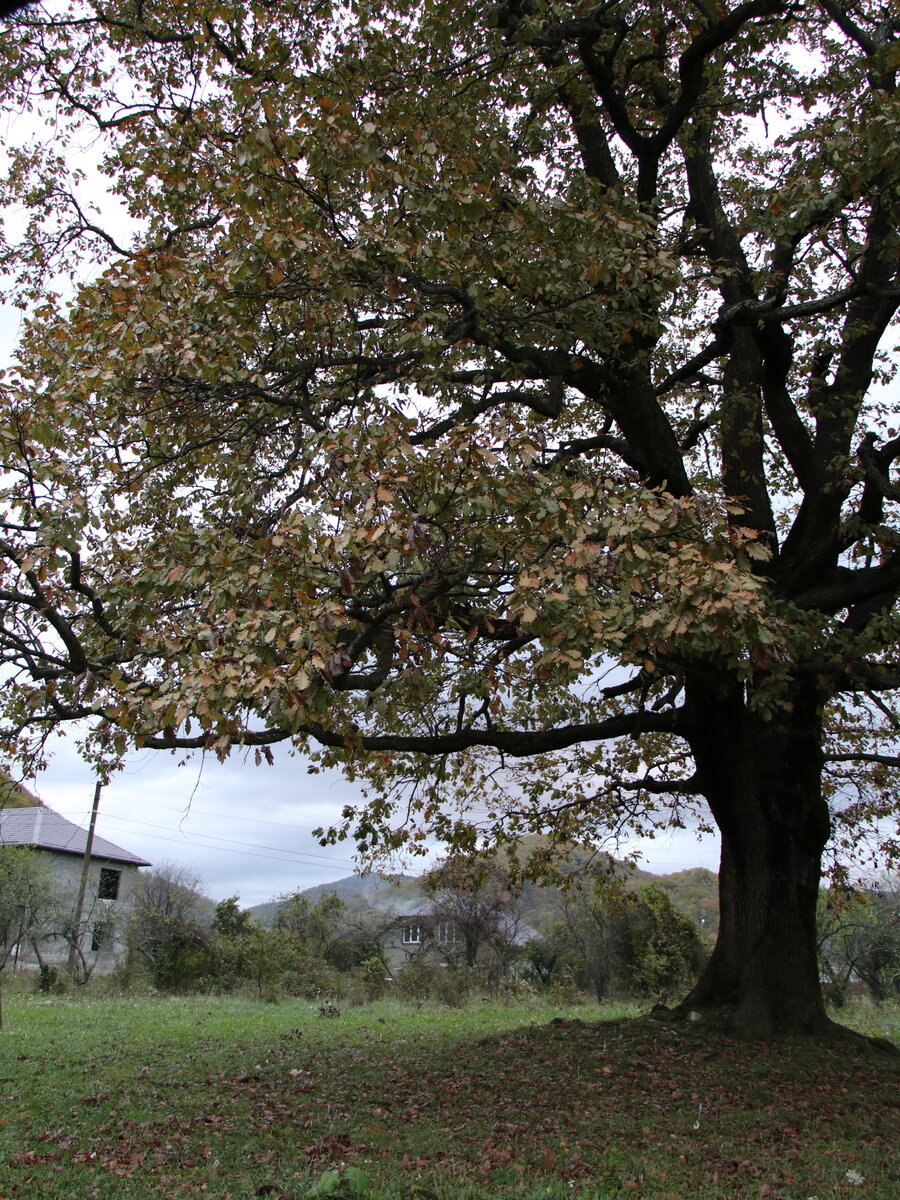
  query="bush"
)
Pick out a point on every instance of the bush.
point(453, 986)
point(312, 978)
point(167, 936)
point(664, 950)
point(372, 978)
point(52, 981)
point(515, 991)
point(565, 993)
point(835, 993)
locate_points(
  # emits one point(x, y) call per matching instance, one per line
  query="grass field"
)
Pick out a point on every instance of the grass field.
point(224, 1098)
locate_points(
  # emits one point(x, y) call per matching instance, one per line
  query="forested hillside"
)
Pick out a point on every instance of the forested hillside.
point(694, 892)
point(14, 795)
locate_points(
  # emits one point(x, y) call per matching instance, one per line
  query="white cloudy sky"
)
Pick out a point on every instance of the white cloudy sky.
point(247, 829)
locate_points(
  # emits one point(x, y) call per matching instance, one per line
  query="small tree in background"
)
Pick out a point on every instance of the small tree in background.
point(244, 952)
point(612, 938)
point(361, 941)
point(309, 936)
point(317, 927)
point(663, 949)
point(230, 920)
point(548, 959)
point(593, 929)
point(169, 935)
point(89, 936)
point(30, 904)
point(860, 940)
point(474, 901)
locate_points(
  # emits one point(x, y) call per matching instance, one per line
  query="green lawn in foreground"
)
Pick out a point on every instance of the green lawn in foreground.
point(227, 1098)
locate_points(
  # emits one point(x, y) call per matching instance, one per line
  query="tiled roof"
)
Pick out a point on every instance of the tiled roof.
point(47, 830)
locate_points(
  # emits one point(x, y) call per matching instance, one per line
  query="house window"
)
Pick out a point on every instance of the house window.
point(412, 935)
point(101, 935)
point(109, 884)
point(447, 932)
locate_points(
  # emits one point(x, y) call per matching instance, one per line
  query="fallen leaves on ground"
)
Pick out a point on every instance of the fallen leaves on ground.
point(633, 1107)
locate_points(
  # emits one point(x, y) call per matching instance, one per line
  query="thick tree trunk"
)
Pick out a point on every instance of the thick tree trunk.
point(762, 779)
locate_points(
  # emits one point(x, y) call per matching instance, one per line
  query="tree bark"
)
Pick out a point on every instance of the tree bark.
point(762, 779)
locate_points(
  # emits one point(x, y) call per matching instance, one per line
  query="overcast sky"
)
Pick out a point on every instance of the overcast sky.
point(245, 829)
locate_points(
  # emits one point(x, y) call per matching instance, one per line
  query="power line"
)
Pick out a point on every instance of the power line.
point(312, 859)
point(223, 810)
point(217, 808)
point(291, 859)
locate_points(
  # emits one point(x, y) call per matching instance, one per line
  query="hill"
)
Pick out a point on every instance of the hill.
point(15, 795)
point(380, 893)
point(694, 892)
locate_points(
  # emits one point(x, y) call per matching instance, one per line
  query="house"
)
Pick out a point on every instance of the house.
point(456, 937)
point(109, 894)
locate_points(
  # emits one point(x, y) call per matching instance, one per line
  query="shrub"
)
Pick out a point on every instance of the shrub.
point(453, 986)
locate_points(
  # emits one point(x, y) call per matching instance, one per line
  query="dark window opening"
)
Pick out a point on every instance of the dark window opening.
point(101, 936)
point(109, 884)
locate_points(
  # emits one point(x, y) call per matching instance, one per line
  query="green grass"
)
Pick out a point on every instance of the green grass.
point(226, 1098)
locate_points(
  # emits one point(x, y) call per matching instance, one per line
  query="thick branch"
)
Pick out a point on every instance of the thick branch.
point(517, 744)
point(888, 760)
point(849, 587)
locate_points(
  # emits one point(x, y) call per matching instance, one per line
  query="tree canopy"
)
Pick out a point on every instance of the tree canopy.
point(492, 398)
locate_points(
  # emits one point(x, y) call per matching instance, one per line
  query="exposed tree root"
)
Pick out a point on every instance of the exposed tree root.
point(725, 1020)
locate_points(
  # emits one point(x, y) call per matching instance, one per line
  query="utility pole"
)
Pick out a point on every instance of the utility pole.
point(82, 886)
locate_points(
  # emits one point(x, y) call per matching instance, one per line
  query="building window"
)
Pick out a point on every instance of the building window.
point(447, 932)
point(412, 935)
point(109, 884)
point(101, 935)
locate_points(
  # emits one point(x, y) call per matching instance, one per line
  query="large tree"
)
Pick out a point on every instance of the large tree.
point(492, 396)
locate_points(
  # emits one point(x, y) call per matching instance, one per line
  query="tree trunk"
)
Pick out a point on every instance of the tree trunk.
point(762, 779)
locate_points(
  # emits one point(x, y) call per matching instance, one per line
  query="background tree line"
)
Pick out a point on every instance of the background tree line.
point(604, 936)
point(180, 941)
point(607, 935)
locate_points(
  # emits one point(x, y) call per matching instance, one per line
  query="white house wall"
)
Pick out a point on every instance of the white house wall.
point(113, 914)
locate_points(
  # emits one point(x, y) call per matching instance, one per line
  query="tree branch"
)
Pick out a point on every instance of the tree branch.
point(517, 744)
point(888, 760)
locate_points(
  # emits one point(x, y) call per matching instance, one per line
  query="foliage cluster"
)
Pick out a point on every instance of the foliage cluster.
point(29, 903)
point(613, 941)
point(859, 941)
point(179, 946)
point(28, 899)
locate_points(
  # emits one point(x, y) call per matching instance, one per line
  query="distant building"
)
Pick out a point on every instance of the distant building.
point(432, 933)
point(109, 895)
